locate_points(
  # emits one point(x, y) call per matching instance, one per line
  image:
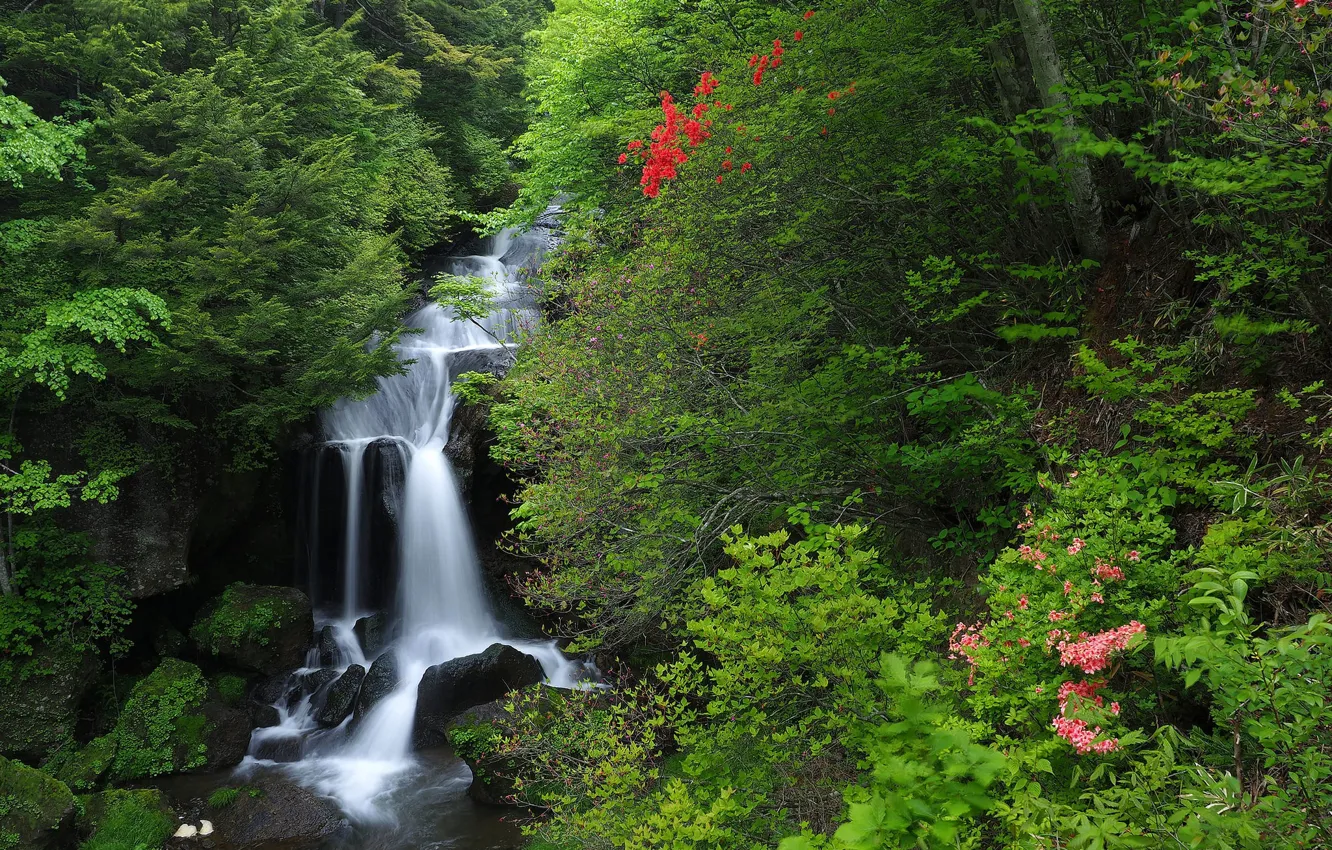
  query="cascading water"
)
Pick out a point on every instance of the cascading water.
point(441, 610)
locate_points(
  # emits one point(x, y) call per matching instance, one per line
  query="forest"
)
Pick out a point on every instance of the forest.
point(924, 430)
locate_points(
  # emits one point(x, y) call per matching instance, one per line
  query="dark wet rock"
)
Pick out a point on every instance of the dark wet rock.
point(341, 698)
point(39, 712)
point(226, 736)
point(379, 683)
point(371, 631)
point(309, 684)
point(280, 748)
point(329, 654)
point(274, 812)
point(270, 690)
point(450, 688)
point(36, 810)
point(169, 641)
point(266, 629)
point(263, 715)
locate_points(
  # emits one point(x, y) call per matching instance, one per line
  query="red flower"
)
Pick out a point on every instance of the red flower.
point(728, 148)
point(833, 95)
point(777, 47)
point(746, 166)
point(1300, 4)
point(726, 163)
point(809, 14)
point(832, 111)
point(624, 157)
point(699, 109)
point(706, 84)
point(799, 34)
point(719, 178)
point(636, 144)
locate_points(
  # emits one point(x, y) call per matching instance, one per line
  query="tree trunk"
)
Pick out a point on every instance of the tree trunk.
point(1084, 203)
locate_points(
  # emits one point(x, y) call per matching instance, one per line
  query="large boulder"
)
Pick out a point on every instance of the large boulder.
point(163, 728)
point(85, 769)
point(41, 701)
point(341, 698)
point(36, 810)
point(260, 628)
point(450, 688)
point(275, 812)
point(379, 683)
point(226, 735)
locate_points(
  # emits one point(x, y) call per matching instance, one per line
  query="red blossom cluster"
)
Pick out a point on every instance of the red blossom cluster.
point(1091, 653)
point(760, 64)
point(1078, 732)
point(1107, 571)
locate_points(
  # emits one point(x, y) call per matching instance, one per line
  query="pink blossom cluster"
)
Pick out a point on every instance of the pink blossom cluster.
point(1078, 732)
point(1091, 653)
point(1107, 571)
point(966, 642)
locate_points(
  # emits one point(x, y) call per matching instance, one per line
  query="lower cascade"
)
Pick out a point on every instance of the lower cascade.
point(344, 723)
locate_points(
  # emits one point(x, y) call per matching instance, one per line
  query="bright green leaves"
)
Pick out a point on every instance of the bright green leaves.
point(31, 147)
point(57, 350)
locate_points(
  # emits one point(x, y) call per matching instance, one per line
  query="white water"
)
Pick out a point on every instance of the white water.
point(442, 611)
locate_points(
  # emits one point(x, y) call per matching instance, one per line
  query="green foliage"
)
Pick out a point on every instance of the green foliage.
point(30, 146)
point(129, 820)
point(161, 730)
point(230, 687)
point(240, 617)
point(223, 797)
point(85, 769)
point(31, 804)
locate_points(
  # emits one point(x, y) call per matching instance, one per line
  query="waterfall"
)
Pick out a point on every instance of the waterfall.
point(440, 610)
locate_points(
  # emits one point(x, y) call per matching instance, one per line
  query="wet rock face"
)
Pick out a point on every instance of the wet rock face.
point(39, 714)
point(372, 632)
point(282, 814)
point(260, 628)
point(341, 699)
point(379, 683)
point(450, 688)
point(227, 736)
point(328, 647)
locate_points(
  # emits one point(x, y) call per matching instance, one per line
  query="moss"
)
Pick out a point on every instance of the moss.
point(126, 820)
point(33, 804)
point(230, 687)
point(223, 797)
point(84, 770)
point(161, 729)
point(242, 615)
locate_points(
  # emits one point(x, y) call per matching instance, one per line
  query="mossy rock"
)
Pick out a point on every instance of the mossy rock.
point(125, 820)
point(36, 810)
point(162, 727)
point(258, 628)
point(42, 696)
point(85, 769)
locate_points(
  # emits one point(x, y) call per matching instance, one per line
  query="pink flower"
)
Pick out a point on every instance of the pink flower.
point(1134, 556)
point(1091, 653)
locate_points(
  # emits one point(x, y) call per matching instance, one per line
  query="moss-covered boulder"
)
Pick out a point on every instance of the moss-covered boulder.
point(42, 696)
point(86, 768)
point(36, 810)
point(258, 628)
point(162, 727)
point(124, 820)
